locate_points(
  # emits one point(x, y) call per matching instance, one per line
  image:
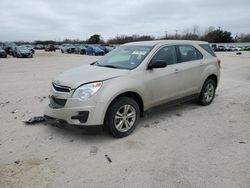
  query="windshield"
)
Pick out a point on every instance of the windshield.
point(125, 57)
point(23, 48)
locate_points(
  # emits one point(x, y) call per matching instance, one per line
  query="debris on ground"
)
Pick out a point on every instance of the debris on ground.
point(108, 158)
point(72, 140)
point(17, 162)
point(156, 122)
point(93, 150)
point(41, 98)
point(36, 119)
point(146, 126)
point(14, 111)
point(178, 114)
point(242, 142)
point(3, 104)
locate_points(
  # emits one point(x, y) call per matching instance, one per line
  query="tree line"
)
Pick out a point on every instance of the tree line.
point(210, 35)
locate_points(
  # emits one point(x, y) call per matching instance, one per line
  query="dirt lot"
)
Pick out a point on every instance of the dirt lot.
point(182, 146)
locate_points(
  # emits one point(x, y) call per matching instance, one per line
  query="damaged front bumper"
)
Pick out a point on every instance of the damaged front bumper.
point(75, 112)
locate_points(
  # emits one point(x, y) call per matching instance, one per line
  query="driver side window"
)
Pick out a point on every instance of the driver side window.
point(166, 54)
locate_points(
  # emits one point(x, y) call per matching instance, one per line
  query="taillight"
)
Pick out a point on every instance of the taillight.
point(219, 62)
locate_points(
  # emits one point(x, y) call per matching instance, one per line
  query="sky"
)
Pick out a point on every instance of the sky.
point(30, 20)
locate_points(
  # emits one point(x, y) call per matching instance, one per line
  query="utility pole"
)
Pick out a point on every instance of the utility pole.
point(166, 34)
point(176, 33)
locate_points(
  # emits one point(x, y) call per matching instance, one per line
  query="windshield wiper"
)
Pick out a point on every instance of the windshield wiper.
point(109, 66)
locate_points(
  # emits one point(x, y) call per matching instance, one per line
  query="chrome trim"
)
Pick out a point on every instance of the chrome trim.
point(61, 94)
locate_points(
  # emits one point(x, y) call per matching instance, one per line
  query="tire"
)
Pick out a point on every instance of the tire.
point(117, 122)
point(207, 93)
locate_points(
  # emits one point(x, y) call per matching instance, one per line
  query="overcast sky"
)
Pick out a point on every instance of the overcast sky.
point(60, 19)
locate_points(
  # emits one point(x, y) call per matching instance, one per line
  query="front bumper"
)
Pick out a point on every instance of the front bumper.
point(3, 54)
point(63, 124)
point(24, 55)
point(77, 112)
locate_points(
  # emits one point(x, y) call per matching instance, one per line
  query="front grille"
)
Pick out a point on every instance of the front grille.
point(57, 103)
point(61, 88)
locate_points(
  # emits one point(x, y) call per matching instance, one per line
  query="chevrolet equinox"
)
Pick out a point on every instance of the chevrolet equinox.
point(116, 90)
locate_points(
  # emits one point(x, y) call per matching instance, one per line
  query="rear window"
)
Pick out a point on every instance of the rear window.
point(189, 53)
point(208, 49)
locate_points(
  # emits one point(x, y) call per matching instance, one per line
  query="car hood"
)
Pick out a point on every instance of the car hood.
point(75, 77)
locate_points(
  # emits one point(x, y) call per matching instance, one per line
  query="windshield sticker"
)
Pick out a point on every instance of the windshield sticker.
point(139, 53)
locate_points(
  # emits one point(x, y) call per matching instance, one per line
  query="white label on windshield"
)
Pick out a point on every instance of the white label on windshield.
point(139, 52)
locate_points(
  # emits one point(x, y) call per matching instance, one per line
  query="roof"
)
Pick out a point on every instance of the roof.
point(162, 42)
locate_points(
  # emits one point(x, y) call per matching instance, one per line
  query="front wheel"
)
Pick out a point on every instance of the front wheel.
point(207, 93)
point(122, 117)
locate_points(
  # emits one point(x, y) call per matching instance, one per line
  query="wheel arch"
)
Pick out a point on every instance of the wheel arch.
point(214, 78)
point(131, 94)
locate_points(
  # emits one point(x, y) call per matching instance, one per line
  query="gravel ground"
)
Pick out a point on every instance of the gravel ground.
point(182, 146)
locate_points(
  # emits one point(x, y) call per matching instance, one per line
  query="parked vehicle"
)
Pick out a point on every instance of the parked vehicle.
point(50, 48)
point(116, 90)
point(30, 47)
point(247, 48)
point(68, 48)
point(40, 47)
point(3, 54)
point(221, 48)
point(81, 49)
point(106, 48)
point(94, 50)
point(21, 51)
point(214, 47)
point(230, 48)
point(7, 46)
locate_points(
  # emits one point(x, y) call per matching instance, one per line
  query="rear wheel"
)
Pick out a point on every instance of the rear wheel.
point(122, 117)
point(207, 93)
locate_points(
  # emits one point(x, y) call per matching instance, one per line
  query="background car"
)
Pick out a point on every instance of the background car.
point(7, 46)
point(22, 51)
point(50, 48)
point(3, 54)
point(94, 50)
point(40, 47)
point(68, 48)
point(220, 48)
point(247, 48)
point(82, 49)
point(106, 48)
point(30, 47)
point(230, 48)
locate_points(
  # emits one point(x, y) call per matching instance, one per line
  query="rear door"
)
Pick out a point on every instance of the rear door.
point(192, 63)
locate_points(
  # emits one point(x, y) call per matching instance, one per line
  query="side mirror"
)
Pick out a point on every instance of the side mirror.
point(157, 64)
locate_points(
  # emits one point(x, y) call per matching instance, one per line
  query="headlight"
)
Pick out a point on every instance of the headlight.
point(86, 91)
